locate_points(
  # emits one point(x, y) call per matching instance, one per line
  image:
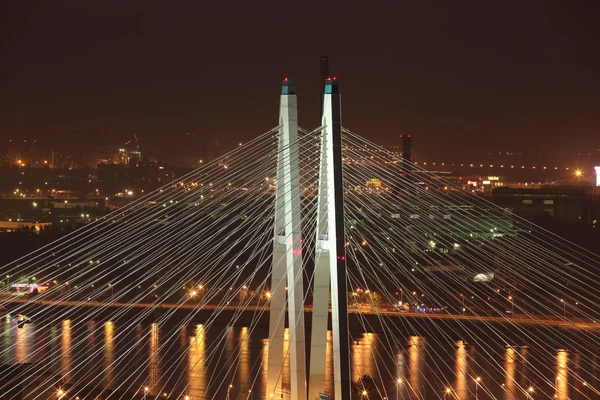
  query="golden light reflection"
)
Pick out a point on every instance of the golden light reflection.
point(562, 375)
point(263, 370)
point(23, 342)
point(154, 358)
point(416, 353)
point(65, 350)
point(245, 361)
point(109, 354)
point(400, 373)
point(197, 364)
point(363, 351)
point(461, 371)
point(510, 366)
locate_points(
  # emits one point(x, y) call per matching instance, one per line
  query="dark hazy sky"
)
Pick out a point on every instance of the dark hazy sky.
point(479, 74)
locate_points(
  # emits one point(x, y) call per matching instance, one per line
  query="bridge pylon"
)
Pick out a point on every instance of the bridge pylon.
point(330, 260)
point(287, 259)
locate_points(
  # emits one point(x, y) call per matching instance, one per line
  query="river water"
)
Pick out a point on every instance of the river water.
point(223, 362)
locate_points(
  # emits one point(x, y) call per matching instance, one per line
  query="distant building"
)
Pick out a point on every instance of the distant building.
point(136, 177)
point(406, 148)
point(373, 183)
point(29, 287)
point(569, 205)
point(15, 226)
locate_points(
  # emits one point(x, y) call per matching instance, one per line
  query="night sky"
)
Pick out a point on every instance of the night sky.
point(461, 76)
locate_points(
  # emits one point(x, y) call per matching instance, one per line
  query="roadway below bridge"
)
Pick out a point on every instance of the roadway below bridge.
point(24, 306)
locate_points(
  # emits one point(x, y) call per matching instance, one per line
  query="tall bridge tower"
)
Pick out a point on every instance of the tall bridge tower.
point(287, 258)
point(330, 259)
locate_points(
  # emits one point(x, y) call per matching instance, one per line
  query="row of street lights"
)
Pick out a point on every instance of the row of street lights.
point(448, 391)
point(146, 391)
point(60, 393)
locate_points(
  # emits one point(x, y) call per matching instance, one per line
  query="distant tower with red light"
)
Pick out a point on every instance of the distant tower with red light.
point(405, 181)
point(406, 150)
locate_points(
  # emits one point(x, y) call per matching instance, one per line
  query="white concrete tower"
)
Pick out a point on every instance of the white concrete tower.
point(330, 260)
point(287, 259)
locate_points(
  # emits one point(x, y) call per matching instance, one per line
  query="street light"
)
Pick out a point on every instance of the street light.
point(447, 392)
point(512, 306)
point(398, 383)
point(477, 380)
point(564, 307)
point(228, 390)
point(578, 174)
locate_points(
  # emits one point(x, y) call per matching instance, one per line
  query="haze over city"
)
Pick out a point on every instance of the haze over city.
point(463, 78)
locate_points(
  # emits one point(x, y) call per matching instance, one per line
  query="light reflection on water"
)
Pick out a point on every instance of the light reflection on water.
point(510, 366)
point(562, 375)
point(109, 354)
point(202, 363)
point(153, 359)
point(461, 371)
point(196, 363)
point(65, 359)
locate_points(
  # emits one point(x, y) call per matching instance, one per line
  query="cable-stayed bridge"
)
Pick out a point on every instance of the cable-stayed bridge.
point(365, 275)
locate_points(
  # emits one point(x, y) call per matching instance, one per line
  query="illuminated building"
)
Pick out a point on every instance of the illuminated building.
point(373, 183)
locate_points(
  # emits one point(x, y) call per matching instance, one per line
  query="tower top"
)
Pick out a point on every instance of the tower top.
point(287, 87)
point(331, 86)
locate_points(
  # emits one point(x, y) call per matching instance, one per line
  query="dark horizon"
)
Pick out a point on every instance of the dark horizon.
point(465, 77)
